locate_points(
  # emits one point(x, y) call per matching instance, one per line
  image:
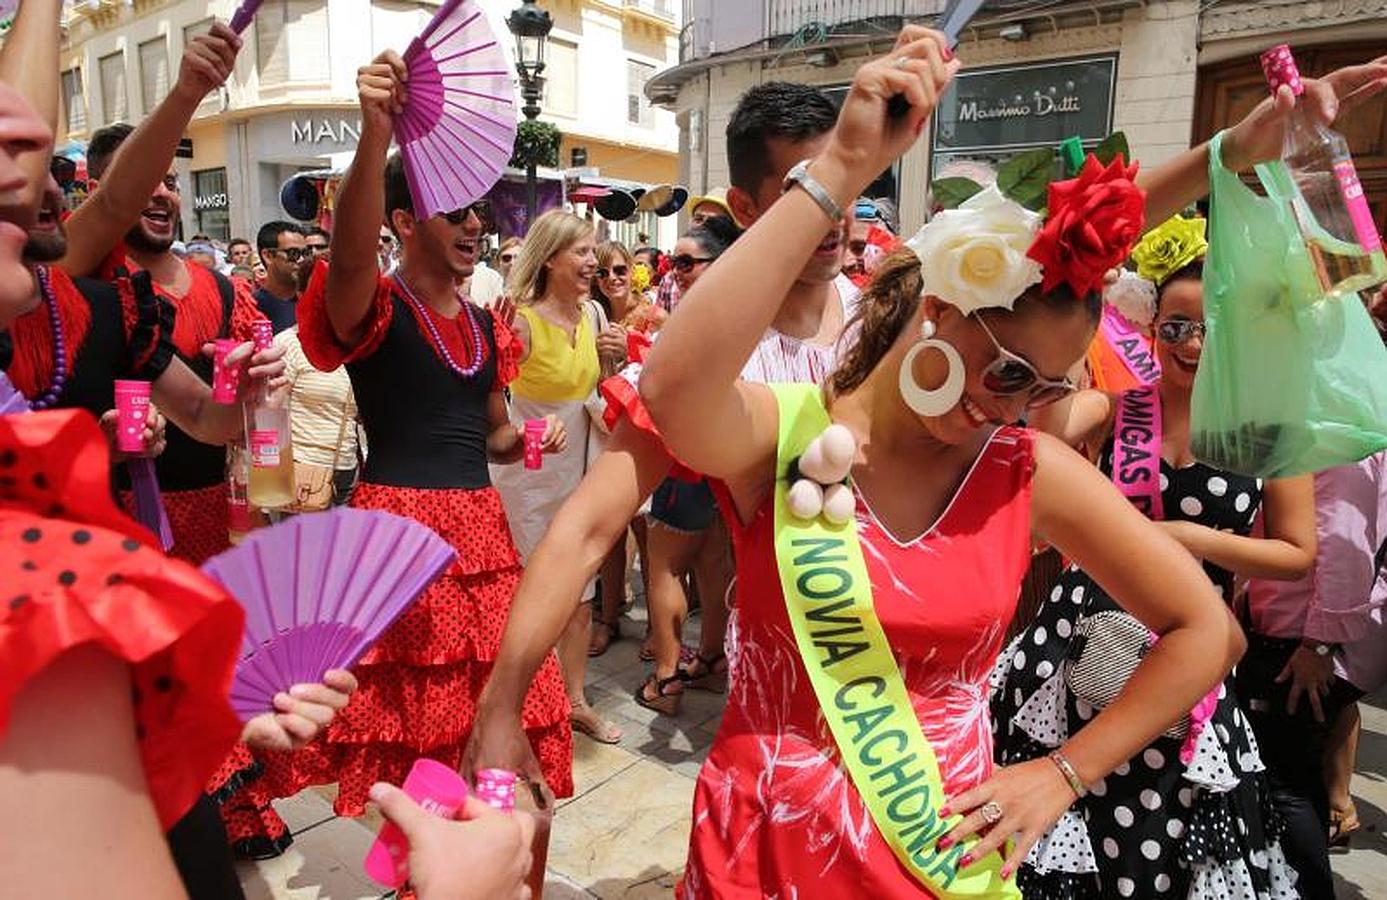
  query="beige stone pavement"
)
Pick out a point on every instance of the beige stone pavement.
point(625, 832)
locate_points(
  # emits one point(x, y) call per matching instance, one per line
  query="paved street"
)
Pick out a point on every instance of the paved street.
point(625, 833)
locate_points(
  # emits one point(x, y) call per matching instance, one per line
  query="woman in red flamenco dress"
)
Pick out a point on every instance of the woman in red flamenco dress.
point(427, 369)
point(834, 670)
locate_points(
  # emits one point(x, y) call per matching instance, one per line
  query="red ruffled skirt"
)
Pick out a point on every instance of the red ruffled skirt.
point(420, 683)
point(198, 520)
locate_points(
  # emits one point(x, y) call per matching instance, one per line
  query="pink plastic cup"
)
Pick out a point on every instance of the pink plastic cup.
point(439, 790)
point(534, 442)
point(262, 334)
point(132, 414)
point(226, 380)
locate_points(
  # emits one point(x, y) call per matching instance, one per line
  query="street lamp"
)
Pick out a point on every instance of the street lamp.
point(531, 26)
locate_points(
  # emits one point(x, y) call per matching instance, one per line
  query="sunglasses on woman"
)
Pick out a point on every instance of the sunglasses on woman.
point(1178, 330)
point(1009, 374)
point(613, 272)
point(685, 263)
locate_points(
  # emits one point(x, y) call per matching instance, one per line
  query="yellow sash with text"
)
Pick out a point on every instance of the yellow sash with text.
point(829, 600)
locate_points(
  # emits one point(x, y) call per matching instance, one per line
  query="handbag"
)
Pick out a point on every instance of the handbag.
point(1105, 650)
point(314, 490)
point(596, 404)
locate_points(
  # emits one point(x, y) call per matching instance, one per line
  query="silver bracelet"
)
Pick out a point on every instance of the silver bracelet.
point(1069, 774)
point(799, 177)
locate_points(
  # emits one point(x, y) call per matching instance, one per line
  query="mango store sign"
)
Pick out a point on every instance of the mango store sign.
point(324, 130)
point(1028, 105)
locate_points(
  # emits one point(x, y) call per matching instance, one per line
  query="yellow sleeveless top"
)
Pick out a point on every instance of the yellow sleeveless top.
point(555, 370)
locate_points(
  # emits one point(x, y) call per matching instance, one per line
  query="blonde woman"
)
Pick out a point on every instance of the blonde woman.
point(558, 327)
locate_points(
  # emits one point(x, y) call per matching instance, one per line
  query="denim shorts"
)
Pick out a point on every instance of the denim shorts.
point(683, 505)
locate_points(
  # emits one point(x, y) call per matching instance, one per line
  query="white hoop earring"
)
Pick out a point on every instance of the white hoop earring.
point(943, 398)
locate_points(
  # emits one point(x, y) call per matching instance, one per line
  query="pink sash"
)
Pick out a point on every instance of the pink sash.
point(1131, 346)
point(1136, 450)
point(1136, 470)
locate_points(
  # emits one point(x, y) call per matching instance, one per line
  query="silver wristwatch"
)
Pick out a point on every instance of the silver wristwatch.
point(799, 176)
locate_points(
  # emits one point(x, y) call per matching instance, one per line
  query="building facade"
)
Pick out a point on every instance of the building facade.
point(1168, 74)
point(291, 104)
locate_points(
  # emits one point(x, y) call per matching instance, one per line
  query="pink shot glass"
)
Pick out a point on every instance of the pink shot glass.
point(534, 441)
point(132, 414)
point(226, 380)
point(439, 790)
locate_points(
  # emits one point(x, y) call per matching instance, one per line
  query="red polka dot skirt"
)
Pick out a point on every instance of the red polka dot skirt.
point(420, 683)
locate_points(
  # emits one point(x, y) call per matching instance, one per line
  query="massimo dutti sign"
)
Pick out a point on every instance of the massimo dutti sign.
point(1010, 108)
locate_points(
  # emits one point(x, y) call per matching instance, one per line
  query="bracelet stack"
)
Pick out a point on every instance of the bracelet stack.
point(1068, 772)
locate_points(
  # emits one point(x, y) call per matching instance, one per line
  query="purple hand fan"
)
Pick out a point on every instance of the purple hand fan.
point(149, 500)
point(318, 591)
point(241, 19)
point(457, 130)
point(12, 401)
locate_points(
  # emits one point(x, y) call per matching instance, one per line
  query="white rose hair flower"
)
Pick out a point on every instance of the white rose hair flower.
point(1134, 297)
point(974, 256)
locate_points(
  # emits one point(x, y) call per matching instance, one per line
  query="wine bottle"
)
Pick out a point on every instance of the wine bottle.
point(267, 438)
point(240, 520)
point(1329, 205)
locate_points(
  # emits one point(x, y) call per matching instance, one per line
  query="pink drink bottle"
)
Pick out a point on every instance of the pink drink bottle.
point(436, 788)
point(1329, 205)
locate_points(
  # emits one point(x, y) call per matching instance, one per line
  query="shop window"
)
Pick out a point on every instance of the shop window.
point(74, 101)
point(211, 209)
point(154, 72)
point(114, 106)
point(560, 78)
point(637, 107)
point(291, 41)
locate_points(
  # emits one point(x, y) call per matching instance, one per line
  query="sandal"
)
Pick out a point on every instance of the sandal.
point(585, 719)
point(1342, 824)
point(711, 678)
point(602, 636)
point(665, 702)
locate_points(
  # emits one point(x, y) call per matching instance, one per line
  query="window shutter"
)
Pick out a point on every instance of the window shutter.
point(74, 103)
point(154, 72)
point(113, 97)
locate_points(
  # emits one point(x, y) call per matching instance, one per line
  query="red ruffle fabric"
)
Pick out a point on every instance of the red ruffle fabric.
point(75, 571)
point(31, 370)
point(508, 353)
point(198, 520)
point(420, 683)
point(624, 400)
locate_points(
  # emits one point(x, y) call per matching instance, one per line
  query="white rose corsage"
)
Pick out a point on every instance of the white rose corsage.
point(1134, 297)
point(974, 256)
point(819, 478)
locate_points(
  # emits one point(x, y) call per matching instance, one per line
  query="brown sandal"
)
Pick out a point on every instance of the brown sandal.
point(711, 678)
point(587, 720)
point(665, 702)
point(1342, 824)
point(603, 634)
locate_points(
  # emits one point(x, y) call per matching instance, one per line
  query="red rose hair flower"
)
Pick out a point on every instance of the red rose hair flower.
point(1095, 220)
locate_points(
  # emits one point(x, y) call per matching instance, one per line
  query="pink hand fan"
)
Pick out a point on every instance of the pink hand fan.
point(241, 19)
point(318, 590)
point(457, 130)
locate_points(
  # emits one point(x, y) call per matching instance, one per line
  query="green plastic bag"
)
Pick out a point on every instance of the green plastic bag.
point(1289, 382)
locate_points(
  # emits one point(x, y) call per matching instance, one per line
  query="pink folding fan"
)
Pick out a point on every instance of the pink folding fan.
point(11, 400)
point(318, 590)
point(457, 130)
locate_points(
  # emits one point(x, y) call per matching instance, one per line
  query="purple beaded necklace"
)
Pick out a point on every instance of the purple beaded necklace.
point(50, 397)
point(477, 347)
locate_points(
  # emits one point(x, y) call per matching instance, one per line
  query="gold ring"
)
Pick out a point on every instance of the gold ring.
point(991, 812)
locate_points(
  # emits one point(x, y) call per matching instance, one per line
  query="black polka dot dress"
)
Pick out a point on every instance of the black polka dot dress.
point(1155, 827)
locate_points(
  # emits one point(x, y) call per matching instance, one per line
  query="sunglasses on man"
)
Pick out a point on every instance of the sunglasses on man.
point(293, 254)
point(481, 209)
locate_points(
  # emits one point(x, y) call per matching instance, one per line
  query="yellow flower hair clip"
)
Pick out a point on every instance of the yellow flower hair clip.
point(1169, 247)
point(640, 278)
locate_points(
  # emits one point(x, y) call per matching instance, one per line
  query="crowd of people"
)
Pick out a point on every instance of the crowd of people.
point(843, 447)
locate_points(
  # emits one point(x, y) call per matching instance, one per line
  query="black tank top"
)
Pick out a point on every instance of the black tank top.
point(425, 426)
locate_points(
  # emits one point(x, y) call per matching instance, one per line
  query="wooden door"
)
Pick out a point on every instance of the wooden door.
point(1228, 91)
